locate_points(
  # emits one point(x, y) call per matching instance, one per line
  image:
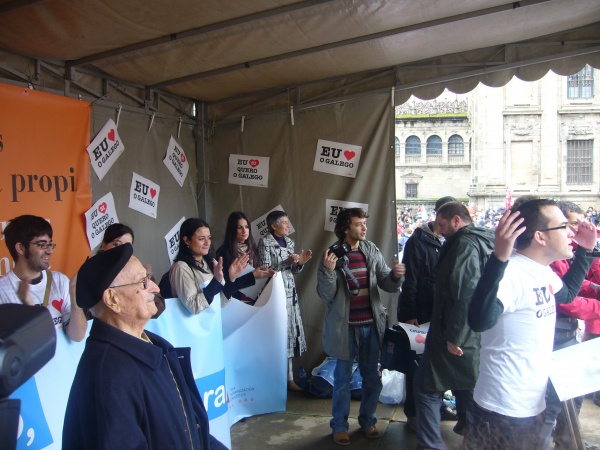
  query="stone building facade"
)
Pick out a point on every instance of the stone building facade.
point(540, 137)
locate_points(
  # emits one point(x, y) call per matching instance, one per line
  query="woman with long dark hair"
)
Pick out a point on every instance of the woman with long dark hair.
point(238, 241)
point(196, 277)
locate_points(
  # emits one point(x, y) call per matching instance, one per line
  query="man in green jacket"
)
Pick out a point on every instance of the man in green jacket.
point(451, 358)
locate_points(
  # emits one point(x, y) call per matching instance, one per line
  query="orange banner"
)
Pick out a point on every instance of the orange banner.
point(45, 169)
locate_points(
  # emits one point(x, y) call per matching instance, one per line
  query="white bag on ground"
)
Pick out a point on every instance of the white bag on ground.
point(394, 390)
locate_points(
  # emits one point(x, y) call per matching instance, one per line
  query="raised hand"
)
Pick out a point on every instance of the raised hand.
point(329, 260)
point(293, 258)
point(238, 266)
point(263, 272)
point(304, 257)
point(586, 234)
point(507, 232)
point(218, 269)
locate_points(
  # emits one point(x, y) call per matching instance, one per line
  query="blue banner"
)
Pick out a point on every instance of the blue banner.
point(239, 361)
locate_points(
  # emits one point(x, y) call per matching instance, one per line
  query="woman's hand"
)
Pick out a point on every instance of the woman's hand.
point(304, 257)
point(263, 272)
point(238, 266)
point(218, 269)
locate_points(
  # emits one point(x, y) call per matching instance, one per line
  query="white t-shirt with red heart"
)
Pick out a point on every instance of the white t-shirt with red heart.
point(59, 301)
point(516, 352)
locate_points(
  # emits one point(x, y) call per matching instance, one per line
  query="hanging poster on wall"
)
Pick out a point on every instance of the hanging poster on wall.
point(98, 218)
point(172, 240)
point(333, 208)
point(337, 158)
point(105, 149)
point(259, 227)
point(249, 170)
point(143, 196)
point(44, 169)
point(176, 161)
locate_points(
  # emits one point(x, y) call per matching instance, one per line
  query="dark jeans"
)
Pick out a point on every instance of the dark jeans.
point(493, 431)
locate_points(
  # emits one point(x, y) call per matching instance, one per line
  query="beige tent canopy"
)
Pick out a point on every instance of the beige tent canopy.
point(245, 58)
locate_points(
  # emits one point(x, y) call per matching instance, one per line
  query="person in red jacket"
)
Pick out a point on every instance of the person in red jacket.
point(585, 306)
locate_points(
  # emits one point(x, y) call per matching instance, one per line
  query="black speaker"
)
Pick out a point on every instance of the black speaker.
point(27, 343)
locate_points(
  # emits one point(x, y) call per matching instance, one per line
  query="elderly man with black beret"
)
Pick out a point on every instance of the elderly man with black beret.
point(132, 389)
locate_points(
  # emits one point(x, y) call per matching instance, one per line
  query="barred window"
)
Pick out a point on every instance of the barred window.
point(411, 189)
point(579, 161)
point(434, 145)
point(412, 146)
point(397, 146)
point(456, 145)
point(581, 84)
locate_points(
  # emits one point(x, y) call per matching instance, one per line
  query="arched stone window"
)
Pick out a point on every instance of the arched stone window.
point(434, 145)
point(456, 145)
point(412, 146)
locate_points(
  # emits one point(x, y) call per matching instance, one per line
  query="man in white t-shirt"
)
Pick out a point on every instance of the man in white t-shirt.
point(514, 308)
point(29, 241)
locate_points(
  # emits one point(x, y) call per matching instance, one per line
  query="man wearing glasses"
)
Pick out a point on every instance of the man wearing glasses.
point(132, 388)
point(514, 306)
point(29, 241)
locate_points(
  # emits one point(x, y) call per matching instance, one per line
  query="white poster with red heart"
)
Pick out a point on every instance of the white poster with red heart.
point(143, 196)
point(97, 219)
point(249, 170)
point(333, 208)
point(172, 240)
point(105, 149)
point(337, 158)
point(259, 229)
point(176, 161)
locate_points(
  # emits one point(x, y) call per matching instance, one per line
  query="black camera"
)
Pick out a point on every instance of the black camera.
point(340, 250)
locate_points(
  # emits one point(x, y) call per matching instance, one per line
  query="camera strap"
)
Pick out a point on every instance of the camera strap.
point(350, 275)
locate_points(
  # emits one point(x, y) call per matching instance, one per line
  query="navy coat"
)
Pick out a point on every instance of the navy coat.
point(130, 394)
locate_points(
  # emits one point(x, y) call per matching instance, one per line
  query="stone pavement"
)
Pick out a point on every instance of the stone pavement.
point(305, 426)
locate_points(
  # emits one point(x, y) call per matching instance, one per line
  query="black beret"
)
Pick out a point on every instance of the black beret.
point(98, 272)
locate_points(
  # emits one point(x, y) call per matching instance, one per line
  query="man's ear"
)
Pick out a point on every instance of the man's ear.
point(539, 237)
point(20, 248)
point(111, 300)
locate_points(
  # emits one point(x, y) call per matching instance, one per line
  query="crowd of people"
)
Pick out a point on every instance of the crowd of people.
point(498, 299)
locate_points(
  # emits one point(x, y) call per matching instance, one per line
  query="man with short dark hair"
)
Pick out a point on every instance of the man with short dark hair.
point(451, 356)
point(514, 307)
point(355, 319)
point(29, 241)
point(415, 303)
point(132, 388)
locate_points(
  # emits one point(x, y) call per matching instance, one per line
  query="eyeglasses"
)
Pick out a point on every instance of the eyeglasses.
point(560, 227)
point(44, 245)
point(145, 283)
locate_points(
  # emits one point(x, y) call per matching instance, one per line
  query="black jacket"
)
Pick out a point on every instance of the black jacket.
point(421, 254)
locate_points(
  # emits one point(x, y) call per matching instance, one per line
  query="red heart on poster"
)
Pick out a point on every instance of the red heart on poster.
point(111, 134)
point(254, 162)
point(349, 155)
point(57, 304)
point(419, 339)
point(103, 207)
point(152, 192)
point(182, 157)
